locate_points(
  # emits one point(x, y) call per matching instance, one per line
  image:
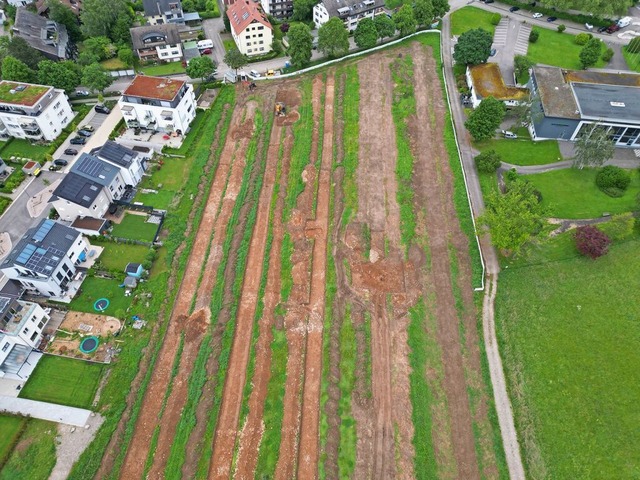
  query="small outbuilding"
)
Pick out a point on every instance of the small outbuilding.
point(130, 282)
point(134, 270)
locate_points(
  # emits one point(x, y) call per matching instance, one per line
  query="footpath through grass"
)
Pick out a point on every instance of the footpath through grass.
point(65, 381)
point(569, 337)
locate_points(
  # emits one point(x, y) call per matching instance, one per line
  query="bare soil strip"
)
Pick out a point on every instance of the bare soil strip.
point(138, 449)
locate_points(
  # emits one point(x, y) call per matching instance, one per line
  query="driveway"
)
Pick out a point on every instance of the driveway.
point(212, 28)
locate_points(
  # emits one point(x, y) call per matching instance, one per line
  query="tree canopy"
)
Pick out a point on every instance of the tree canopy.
point(405, 20)
point(98, 17)
point(96, 78)
point(384, 26)
point(590, 53)
point(99, 46)
point(333, 38)
point(125, 55)
point(593, 147)
point(423, 11)
point(300, 44)
point(485, 119)
point(303, 10)
point(201, 67)
point(440, 7)
point(521, 64)
point(366, 34)
point(234, 59)
point(16, 70)
point(473, 47)
point(591, 241)
point(597, 7)
point(65, 75)
point(21, 50)
point(58, 12)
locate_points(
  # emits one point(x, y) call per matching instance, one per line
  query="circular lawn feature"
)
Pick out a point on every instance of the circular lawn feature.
point(101, 305)
point(89, 344)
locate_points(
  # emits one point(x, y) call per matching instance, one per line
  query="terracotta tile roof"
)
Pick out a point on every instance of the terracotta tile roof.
point(158, 88)
point(245, 12)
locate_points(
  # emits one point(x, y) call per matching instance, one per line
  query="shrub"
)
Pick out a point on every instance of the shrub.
point(495, 18)
point(620, 227)
point(533, 36)
point(607, 54)
point(591, 241)
point(561, 28)
point(488, 162)
point(582, 38)
point(613, 180)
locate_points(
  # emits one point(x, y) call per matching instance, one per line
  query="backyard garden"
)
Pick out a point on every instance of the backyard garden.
point(134, 226)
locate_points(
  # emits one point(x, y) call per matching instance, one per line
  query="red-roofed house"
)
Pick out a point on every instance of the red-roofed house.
point(250, 28)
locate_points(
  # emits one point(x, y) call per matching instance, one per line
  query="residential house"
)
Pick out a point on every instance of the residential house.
point(159, 12)
point(88, 189)
point(349, 11)
point(33, 112)
point(160, 104)
point(279, 9)
point(19, 3)
point(157, 43)
point(75, 6)
point(566, 103)
point(485, 80)
point(48, 37)
point(21, 325)
point(131, 163)
point(45, 259)
point(250, 28)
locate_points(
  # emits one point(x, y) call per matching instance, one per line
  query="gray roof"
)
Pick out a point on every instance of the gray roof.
point(45, 35)
point(77, 189)
point(346, 8)
point(556, 95)
point(191, 53)
point(95, 170)
point(168, 32)
point(42, 248)
point(115, 153)
point(158, 7)
point(132, 268)
point(608, 102)
point(191, 16)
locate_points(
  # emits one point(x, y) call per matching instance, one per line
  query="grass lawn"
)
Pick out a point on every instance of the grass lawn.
point(135, 227)
point(4, 204)
point(163, 69)
point(522, 151)
point(573, 193)
point(114, 64)
point(229, 44)
point(632, 59)
point(14, 180)
point(65, 381)
point(558, 49)
point(21, 148)
point(94, 288)
point(569, 338)
point(116, 255)
point(35, 455)
point(196, 124)
point(10, 427)
point(166, 180)
point(468, 18)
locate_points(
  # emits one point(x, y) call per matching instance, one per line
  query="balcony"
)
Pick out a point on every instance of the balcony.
point(167, 115)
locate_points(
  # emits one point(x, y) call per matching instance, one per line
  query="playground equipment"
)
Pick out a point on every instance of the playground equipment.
point(89, 344)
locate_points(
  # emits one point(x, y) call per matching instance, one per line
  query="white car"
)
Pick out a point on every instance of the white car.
point(588, 26)
point(537, 15)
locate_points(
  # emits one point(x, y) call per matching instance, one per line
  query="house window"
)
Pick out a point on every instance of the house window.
point(175, 52)
point(249, 51)
point(25, 331)
point(5, 347)
point(33, 337)
point(41, 324)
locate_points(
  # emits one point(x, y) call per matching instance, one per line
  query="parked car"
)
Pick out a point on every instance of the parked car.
point(508, 134)
point(102, 109)
point(488, 1)
point(84, 133)
point(78, 141)
point(588, 26)
point(88, 128)
point(493, 52)
point(82, 93)
point(551, 19)
point(253, 74)
point(206, 51)
point(602, 29)
point(613, 28)
point(71, 151)
point(537, 15)
point(60, 162)
point(514, 9)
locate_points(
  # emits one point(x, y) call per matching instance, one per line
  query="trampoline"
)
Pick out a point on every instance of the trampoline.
point(89, 344)
point(101, 305)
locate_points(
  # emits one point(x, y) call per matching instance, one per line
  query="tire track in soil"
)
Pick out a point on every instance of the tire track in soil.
point(433, 182)
point(319, 230)
point(297, 306)
point(133, 466)
point(108, 459)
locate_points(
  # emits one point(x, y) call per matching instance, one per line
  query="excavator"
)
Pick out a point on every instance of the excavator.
point(281, 109)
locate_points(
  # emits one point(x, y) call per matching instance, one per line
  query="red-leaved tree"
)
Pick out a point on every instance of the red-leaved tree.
point(591, 241)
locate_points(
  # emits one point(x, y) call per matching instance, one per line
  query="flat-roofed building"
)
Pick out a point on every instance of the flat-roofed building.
point(349, 11)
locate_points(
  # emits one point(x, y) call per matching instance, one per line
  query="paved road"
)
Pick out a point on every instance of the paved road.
point(45, 411)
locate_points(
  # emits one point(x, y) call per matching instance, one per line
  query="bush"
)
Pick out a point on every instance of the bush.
point(488, 162)
point(533, 36)
point(607, 54)
point(561, 28)
point(591, 241)
point(495, 18)
point(582, 38)
point(613, 180)
point(620, 227)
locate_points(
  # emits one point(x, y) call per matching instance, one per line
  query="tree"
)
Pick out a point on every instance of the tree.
point(596, 7)
point(613, 180)
point(333, 38)
point(303, 10)
point(423, 11)
point(125, 55)
point(485, 119)
point(58, 12)
point(583, 38)
point(234, 59)
point(227, 22)
point(440, 7)
point(590, 53)
point(366, 35)
point(384, 26)
point(300, 44)
point(16, 70)
point(561, 28)
point(120, 32)
point(64, 75)
point(608, 54)
point(98, 16)
point(591, 241)
point(488, 162)
point(404, 20)
point(21, 50)
point(521, 64)
point(87, 58)
point(95, 77)
point(473, 47)
point(513, 218)
point(593, 147)
point(201, 67)
point(533, 36)
point(284, 27)
point(98, 46)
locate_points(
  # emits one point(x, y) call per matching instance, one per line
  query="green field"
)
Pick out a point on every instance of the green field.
point(632, 59)
point(23, 149)
point(558, 50)
point(116, 255)
point(94, 288)
point(163, 69)
point(573, 193)
point(35, 454)
point(569, 338)
point(114, 64)
point(229, 44)
point(167, 180)
point(468, 18)
point(10, 428)
point(523, 151)
point(135, 227)
point(63, 380)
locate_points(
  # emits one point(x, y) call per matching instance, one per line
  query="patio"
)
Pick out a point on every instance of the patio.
point(155, 140)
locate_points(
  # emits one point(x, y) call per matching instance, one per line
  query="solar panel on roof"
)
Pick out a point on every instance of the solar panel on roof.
point(44, 229)
point(26, 253)
point(41, 251)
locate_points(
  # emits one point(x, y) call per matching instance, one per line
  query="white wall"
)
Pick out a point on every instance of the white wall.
point(169, 53)
point(69, 211)
point(53, 119)
point(248, 41)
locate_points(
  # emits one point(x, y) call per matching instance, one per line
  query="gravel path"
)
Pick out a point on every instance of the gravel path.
point(70, 443)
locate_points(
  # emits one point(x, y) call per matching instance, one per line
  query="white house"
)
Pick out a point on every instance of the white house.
point(160, 12)
point(280, 9)
point(130, 162)
point(19, 3)
point(33, 112)
point(45, 259)
point(21, 325)
point(88, 189)
point(160, 104)
point(349, 11)
point(157, 43)
point(250, 28)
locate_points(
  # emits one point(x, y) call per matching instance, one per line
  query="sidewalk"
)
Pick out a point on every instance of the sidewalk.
point(40, 201)
point(45, 411)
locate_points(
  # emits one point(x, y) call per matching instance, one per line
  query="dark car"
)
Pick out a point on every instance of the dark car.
point(602, 29)
point(60, 162)
point(71, 151)
point(488, 1)
point(82, 93)
point(613, 28)
point(551, 19)
point(78, 141)
point(493, 52)
point(102, 109)
point(514, 9)
point(84, 133)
